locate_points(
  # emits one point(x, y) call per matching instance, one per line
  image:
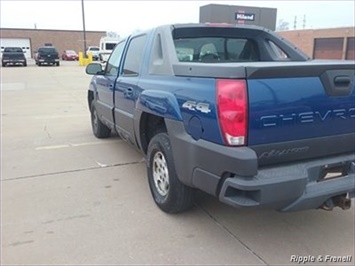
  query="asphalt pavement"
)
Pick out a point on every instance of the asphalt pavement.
point(69, 198)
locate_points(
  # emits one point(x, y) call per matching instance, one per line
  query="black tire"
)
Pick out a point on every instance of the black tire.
point(4, 64)
point(100, 130)
point(168, 192)
point(25, 64)
point(39, 64)
point(57, 64)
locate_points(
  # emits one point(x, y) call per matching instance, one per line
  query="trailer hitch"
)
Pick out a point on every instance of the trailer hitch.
point(340, 201)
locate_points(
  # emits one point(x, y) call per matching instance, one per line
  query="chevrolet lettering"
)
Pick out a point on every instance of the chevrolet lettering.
point(306, 117)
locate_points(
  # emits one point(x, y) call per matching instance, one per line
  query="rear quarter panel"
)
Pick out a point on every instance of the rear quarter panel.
point(184, 89)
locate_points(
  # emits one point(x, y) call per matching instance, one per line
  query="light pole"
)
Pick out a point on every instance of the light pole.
point(83, 15)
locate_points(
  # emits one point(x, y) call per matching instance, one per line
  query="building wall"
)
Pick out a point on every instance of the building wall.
point(60, 39)
point(306, 39)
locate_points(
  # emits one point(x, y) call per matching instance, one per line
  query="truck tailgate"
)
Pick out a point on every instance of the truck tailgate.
point(301, 110)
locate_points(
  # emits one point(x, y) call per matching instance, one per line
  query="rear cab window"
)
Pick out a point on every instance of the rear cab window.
point(47, 50)
point(209, 45)
point(13, 50)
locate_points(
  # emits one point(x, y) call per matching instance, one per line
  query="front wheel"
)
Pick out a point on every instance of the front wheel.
point(168, 192)
point(98, 128)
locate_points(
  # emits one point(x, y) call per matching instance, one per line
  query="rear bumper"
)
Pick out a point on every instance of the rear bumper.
point(232, 175)
point(292, 187)
point(14, 61)
point(48, 60)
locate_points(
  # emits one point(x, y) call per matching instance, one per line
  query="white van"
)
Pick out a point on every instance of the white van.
point(106, 46)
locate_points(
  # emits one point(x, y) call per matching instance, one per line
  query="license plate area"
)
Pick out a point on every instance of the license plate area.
point(332, 171)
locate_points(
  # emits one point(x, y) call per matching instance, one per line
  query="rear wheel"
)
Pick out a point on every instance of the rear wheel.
point(168, 192)
point(57, 64)
point(98, 128)
point(4, 64)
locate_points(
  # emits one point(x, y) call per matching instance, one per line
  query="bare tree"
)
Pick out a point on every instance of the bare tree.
point(112, 34)
point(282, 25)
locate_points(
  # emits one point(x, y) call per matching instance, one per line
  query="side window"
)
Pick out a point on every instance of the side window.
point(278, 52)
point(114, 62)
point(134, 56)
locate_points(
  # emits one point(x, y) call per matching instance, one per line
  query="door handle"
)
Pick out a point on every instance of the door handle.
point(129, 92)
point(342, 81)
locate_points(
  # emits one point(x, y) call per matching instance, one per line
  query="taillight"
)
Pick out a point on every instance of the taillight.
point(232, 103)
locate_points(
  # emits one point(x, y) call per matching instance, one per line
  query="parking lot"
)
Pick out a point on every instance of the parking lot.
point(69, 198)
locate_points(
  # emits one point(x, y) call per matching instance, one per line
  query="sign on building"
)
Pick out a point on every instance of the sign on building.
point(261, 16)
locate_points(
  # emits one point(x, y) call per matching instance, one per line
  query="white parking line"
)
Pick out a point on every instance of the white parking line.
point(53, 147)
point(13, 86)
point(59, 116)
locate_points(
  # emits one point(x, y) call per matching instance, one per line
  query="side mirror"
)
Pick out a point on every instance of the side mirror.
point(94, 69)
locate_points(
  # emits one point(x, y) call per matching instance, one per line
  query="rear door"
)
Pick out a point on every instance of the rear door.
point(105, 85)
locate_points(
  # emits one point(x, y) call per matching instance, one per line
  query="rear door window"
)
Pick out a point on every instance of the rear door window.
point(134, 56)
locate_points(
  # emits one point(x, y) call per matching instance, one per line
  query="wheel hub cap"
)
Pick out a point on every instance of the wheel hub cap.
point(160, 174)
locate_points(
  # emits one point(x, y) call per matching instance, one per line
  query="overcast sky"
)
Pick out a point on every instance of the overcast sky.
point(124, 17)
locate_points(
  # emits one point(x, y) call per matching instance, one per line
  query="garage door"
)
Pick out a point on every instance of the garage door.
point(328, 48)
point(17, 42)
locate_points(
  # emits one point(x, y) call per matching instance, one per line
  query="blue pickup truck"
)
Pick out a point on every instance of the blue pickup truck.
point(235, 111)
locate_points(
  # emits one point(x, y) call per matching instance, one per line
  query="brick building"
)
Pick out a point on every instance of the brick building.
point(31, 39)
point(334, 43)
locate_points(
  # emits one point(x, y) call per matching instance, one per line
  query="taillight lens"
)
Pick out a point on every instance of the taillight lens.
point(232, 101)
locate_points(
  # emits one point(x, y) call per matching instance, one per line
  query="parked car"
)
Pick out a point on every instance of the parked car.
point(13, 56)
point(70, 55)
point(95, 51)
point(47, 55)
